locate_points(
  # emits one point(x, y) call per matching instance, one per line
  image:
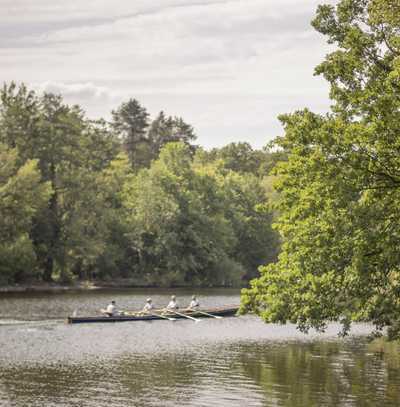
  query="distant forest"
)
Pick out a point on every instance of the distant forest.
point(131, 198)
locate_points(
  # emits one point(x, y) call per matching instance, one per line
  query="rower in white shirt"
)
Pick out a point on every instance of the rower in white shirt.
point(194, 303)
point(111, 309)
point(172, 304)
point(148, 306)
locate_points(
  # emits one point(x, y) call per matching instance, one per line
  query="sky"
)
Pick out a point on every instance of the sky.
point(228, 67)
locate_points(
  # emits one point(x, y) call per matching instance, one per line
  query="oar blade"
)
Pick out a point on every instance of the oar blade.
point(209, 315)
point(186, 316)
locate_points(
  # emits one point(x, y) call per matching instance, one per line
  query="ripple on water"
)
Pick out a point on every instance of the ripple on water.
point(228, 362)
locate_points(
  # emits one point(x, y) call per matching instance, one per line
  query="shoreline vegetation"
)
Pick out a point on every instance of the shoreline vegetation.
point(46, 287)
point(133, 198)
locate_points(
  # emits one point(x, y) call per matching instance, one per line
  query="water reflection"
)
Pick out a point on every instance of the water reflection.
point(324, 373)
point(228, 362)
point(282, 374)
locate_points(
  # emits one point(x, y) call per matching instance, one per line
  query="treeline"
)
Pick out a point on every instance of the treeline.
point(131, 198)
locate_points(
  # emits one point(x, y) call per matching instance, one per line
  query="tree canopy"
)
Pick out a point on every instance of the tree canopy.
point(130, 199)
point(22, 196)
point(339, 190)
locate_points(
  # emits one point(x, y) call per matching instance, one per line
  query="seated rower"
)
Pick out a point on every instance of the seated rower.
point(194, 303)
point(148, 306)
point(172, 305)
point(111, 309)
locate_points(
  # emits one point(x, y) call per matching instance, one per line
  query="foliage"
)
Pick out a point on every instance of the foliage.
point(130, 121)
point(181, 234)
point(164, 130)
point(241, 157)
point(21, 197)
point(130, 199)
point(244, 202)
point(117, 258)
point(69, 150)
point(142, 140)
point(339, 190)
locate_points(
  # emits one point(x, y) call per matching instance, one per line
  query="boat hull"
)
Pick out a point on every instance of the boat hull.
point(222, 312)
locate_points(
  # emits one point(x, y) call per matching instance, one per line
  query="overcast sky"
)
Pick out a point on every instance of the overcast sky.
point(228, 67)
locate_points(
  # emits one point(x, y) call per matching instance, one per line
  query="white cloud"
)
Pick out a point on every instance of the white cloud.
point(212, 61)
point(77, 90)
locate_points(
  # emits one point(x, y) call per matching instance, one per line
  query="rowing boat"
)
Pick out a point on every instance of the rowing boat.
point(223, 312)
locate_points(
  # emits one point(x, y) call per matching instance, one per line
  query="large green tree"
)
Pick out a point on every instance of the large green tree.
point(178, 227)
point(192, 223)
point(167, 129)
point(340, 189)
point(119, 257)
point(22, 195)
point(242, 158)
point(69, 150)
point(239, 157)
point(246, 207)
point(130, 121)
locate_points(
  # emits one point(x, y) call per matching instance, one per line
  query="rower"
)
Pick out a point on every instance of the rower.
point(148, 306)
point(194, 303)
point(111, 309)
point(172, 304)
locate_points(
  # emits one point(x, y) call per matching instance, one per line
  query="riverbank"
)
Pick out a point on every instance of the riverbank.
point(86, 286)
point(20, 288)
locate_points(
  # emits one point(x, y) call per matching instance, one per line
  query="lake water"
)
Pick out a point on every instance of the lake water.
point(237, 361)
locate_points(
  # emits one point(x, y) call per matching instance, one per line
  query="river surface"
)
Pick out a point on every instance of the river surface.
point(236, 361)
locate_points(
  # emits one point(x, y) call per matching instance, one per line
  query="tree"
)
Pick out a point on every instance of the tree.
point(242, 158)
point(181, 239)
point(69, 150)
point(239, 157)
point(196, 224)
point(164, 130)
point(119, 258)
point(130, 121)
point(339, 190)
point(246, 207)
point(75, 206)
point(22, 195)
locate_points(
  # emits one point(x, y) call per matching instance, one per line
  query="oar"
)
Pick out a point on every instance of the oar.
point(185, 316)
point(206, 313)
point(164, 317)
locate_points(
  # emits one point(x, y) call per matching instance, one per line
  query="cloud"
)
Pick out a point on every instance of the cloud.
point(50, 11)
point(173, 39)
point(211, 61)
point(75, 90)
point(233, 19)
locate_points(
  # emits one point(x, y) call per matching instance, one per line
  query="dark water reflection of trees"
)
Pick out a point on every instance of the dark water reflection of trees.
point(297, 373)
point(326, 373)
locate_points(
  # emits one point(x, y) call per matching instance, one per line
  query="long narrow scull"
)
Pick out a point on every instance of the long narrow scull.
point(223, 312)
